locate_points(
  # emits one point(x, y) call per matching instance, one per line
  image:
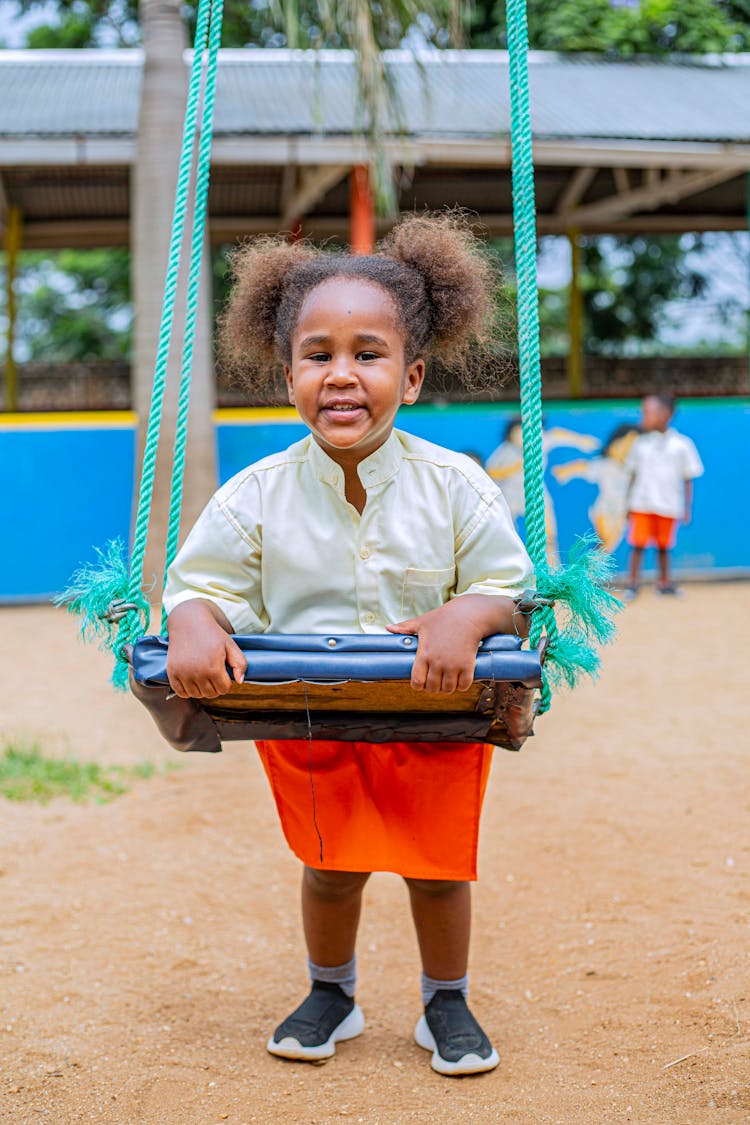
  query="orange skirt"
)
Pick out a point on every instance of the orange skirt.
point(408, 807)
point(647, 528)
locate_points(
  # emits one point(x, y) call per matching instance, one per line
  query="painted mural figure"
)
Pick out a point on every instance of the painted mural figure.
point(505, 466)
point(609, 510)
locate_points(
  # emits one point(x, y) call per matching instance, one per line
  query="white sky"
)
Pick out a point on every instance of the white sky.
point(14, 26)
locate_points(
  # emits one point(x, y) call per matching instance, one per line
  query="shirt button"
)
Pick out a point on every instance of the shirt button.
point(364, 552)
point(368, 618)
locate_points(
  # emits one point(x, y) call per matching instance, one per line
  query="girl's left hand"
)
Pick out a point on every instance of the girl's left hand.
point(446, 654)
point(450, 635)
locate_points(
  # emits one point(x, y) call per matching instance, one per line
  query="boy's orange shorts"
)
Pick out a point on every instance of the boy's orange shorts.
point(647, 529)
point(408, 807)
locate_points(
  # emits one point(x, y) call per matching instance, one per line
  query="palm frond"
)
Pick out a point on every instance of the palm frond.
point(367, 30)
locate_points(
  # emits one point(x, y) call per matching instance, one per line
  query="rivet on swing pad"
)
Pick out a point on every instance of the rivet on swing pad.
point(357, 689)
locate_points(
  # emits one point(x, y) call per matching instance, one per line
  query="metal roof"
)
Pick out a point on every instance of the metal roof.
point(447, 94)
point(628, 146)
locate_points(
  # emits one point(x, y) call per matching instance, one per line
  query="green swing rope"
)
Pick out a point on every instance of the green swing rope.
point(196, 257)
point(94, 591)
point(530, 377)
point(107, 594)
point(581, 584)
point(208, 33)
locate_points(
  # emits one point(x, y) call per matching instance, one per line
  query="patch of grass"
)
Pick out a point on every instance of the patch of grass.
point(27, 775)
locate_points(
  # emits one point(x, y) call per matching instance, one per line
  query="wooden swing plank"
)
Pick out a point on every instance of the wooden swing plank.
point(388, 696)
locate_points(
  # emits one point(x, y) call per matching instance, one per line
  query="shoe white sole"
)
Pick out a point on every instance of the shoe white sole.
point(467, 1064)
point(290, 1048)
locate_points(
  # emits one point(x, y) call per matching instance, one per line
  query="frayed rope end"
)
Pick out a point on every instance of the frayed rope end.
point(90, 594)
point(588, 612)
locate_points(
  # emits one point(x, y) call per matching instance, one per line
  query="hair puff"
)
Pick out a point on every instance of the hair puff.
point(248, 325)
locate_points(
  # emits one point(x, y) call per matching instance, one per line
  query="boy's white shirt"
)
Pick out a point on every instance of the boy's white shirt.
point(660, 463)
point(279, 549)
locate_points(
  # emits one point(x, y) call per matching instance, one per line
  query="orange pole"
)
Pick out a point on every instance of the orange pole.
point(294, 234)
point(361, 211)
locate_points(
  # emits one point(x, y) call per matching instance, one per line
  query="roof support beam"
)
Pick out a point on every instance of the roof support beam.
point(574, 190)
point(483, 152)
point(83, 233)
point(313, 184)
point(289, 177)
point(622, 180)
point(673, 187)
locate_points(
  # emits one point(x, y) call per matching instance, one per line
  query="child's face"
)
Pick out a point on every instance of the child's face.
point(655, 415)
point(348, 377)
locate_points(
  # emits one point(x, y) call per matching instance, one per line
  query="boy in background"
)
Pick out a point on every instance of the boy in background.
point(663, 464)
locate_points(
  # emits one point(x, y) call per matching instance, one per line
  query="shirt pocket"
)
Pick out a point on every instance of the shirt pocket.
point(426, 589)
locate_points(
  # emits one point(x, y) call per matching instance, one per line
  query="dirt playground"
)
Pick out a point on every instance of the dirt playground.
point(150, 945)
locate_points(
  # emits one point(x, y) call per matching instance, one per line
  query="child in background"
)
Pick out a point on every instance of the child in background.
point(663, 465)
point(361, 528)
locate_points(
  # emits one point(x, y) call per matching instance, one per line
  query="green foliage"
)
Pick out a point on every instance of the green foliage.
point(262, 23)
point(73, 31)
point(626, 28)
point(553, 322)
point(622, 28)
point(27, 775)
point(75, 304)
point(627, 282)
point(611, 27)
point(83, 23)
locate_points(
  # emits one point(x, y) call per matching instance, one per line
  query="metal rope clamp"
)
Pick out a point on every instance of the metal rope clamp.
point(528, 601)
point(118, 609)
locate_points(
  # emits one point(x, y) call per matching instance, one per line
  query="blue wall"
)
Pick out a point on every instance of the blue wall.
point(63, 491)
point(718, 537)
point(67, 485)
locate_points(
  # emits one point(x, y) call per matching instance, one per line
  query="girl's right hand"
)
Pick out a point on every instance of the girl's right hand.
point(200, 648)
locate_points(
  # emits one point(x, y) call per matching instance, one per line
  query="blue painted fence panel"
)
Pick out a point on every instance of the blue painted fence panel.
point(67, 490)
point(718, 537)
point(62, 493)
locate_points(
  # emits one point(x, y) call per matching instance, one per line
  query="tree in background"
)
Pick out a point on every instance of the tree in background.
point(628, 282)
point(75, 305)
point(615, 28)
point(622, 28)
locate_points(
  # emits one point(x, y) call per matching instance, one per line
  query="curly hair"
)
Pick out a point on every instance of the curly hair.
point(443, 284)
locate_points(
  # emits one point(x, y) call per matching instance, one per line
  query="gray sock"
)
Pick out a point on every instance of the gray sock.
point(345, 976)
point(430, 986)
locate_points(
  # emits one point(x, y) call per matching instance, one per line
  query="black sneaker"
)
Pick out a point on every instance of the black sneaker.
point(457, 1042)
point(312, 1031)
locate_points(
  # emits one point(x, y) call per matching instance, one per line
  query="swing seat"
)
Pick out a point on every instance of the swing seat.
point(343, 688)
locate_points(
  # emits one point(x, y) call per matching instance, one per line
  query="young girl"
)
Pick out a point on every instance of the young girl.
point(360, 528)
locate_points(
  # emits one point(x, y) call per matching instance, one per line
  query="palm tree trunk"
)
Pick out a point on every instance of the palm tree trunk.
point(153, 180)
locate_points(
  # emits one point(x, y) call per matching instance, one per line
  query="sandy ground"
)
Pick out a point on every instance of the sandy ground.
point(148, 946)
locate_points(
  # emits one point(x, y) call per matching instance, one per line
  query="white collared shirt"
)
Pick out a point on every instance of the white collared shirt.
point(660, 463)
point(280, 549)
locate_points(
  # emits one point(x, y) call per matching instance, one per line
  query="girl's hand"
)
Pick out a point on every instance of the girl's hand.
point(200, 648)
point(449, 637)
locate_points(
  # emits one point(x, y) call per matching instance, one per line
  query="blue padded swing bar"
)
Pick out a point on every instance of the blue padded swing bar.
point(344, 688)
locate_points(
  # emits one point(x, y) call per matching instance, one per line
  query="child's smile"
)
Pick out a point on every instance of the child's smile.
point(348, 374)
